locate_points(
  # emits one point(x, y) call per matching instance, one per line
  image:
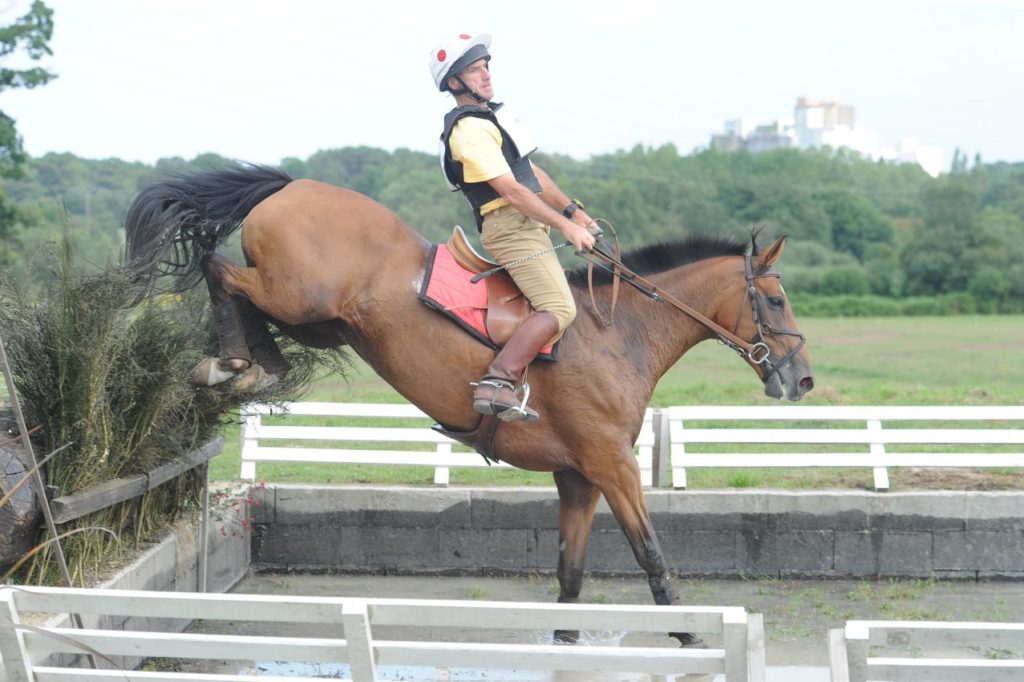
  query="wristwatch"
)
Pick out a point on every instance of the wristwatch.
point(571, 208)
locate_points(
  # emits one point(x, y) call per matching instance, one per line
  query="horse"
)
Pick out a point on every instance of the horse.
point(328, 267)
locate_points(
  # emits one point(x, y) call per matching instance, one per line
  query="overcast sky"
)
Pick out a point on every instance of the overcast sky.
point(261, 80)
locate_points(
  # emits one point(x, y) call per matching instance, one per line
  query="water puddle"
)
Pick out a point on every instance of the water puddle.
point(424, 674)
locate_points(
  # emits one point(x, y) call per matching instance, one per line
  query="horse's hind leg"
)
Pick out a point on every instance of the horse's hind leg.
point(577, 499)
point(619, 480)
point(268, 364)
point(234, 355)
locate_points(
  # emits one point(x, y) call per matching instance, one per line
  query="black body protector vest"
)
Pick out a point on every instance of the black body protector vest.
point(516, 147)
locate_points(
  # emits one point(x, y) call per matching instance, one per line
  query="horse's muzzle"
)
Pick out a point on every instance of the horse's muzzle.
point(784, 384)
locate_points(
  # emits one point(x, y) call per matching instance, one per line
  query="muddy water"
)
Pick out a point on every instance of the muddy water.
point(797, 614)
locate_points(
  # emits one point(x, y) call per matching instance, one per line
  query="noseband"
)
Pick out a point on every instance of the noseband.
point(759, 353)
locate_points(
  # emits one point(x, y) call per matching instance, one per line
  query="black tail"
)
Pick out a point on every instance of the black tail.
point(189, 215)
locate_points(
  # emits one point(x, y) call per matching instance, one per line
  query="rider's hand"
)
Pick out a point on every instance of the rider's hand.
point(581, 238)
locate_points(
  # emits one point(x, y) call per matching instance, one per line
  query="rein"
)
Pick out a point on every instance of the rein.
point(756, 352)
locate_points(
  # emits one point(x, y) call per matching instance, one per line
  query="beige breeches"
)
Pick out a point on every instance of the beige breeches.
point(508, 235)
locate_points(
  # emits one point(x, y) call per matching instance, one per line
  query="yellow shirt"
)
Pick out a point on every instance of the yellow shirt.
point(476, 144)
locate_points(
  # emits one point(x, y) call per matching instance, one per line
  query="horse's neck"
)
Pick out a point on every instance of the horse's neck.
point(706, 287)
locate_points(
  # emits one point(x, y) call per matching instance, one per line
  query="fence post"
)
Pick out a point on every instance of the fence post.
point(756, 665)
point(359, 640)
point(250, 421)
point(734, 634)
point(857, 636)
point(661, 453)
point(441, 474)
point(881, 473)
point(14, 661)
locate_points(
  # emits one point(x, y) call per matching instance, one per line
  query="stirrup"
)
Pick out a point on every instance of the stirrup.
point(504, 411)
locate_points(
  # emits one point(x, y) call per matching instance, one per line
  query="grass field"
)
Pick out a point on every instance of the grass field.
point(970, 360)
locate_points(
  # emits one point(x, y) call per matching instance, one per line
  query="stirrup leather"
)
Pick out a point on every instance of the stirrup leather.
point(507, 412)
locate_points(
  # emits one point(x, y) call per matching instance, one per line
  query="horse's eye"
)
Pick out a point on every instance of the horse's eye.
point(776, 301)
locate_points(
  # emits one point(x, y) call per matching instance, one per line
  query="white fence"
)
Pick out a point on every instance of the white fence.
point(927, 652)
point(347, 632)
point(858, 447)
point(673, 439)
point(423, 446)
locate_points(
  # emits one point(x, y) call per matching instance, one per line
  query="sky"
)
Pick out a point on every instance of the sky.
point(262, 80)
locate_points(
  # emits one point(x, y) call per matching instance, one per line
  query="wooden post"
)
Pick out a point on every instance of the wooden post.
point(441, 473)
point(881, 473)
point(204, 531)
point(857, 636)
point(734, 634)
point(837, 664)
point(356, 619)
point(756, 663)
point(250, 422)
point(15, 665)
point(661, 453)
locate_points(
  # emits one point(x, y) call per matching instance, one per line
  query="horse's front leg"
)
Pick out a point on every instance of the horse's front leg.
point(619, 479)
point(577, 498)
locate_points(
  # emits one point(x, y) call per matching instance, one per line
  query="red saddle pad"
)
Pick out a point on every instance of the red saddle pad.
point(447, 288)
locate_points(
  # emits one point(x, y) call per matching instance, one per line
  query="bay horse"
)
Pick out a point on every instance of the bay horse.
point(328, 266)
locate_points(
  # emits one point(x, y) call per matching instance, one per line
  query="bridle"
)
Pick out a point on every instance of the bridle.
point(756, 352)
point(763, 326)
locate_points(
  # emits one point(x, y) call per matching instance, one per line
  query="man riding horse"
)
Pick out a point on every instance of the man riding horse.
point(485, 154)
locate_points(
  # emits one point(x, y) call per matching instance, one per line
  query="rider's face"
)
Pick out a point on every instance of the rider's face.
point(477, 77)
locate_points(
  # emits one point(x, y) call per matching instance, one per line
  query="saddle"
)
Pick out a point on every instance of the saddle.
point(491, 310)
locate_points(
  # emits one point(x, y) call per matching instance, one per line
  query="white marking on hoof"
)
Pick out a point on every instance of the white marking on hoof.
point(209, 373)
point(254, 379)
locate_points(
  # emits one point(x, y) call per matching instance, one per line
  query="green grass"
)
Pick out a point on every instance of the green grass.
point(969, 360)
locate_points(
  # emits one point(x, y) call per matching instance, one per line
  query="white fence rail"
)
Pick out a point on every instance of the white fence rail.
point(347, 632)
point(860, 447)
point(673, 439)
point(349, 440)
point(920, 651)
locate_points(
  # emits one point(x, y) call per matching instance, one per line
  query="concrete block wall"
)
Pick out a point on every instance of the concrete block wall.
point(840, 534)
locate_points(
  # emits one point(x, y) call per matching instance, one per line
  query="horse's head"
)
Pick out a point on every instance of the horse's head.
point(766, 319)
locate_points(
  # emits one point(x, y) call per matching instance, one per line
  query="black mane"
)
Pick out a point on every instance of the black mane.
point(655, 258)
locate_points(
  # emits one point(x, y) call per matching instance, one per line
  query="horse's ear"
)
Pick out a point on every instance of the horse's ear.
point(772, 253)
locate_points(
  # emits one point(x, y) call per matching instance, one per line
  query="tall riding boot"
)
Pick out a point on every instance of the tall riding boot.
point(496, 392)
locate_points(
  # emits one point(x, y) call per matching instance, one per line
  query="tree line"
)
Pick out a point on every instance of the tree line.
point(865, 236)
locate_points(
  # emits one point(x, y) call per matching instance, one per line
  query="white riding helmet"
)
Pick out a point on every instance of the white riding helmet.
point(454, 54)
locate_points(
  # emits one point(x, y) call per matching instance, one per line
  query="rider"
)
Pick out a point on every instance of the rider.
point(485, 153)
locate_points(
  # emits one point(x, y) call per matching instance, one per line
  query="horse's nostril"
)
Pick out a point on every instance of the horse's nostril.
point(806, 384)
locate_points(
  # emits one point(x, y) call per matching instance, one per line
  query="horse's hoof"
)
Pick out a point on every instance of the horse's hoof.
point(213, 371)
point(688, 640)
point(254, 379)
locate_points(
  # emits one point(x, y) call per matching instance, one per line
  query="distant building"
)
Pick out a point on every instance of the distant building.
point(931, 159)
point(822, 123)
point(775, 135)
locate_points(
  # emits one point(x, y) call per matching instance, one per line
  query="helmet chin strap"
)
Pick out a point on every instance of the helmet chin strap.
point(466, 91)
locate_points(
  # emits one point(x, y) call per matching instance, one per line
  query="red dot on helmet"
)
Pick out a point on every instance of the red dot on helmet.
point(441, 55)
point(465, 36)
